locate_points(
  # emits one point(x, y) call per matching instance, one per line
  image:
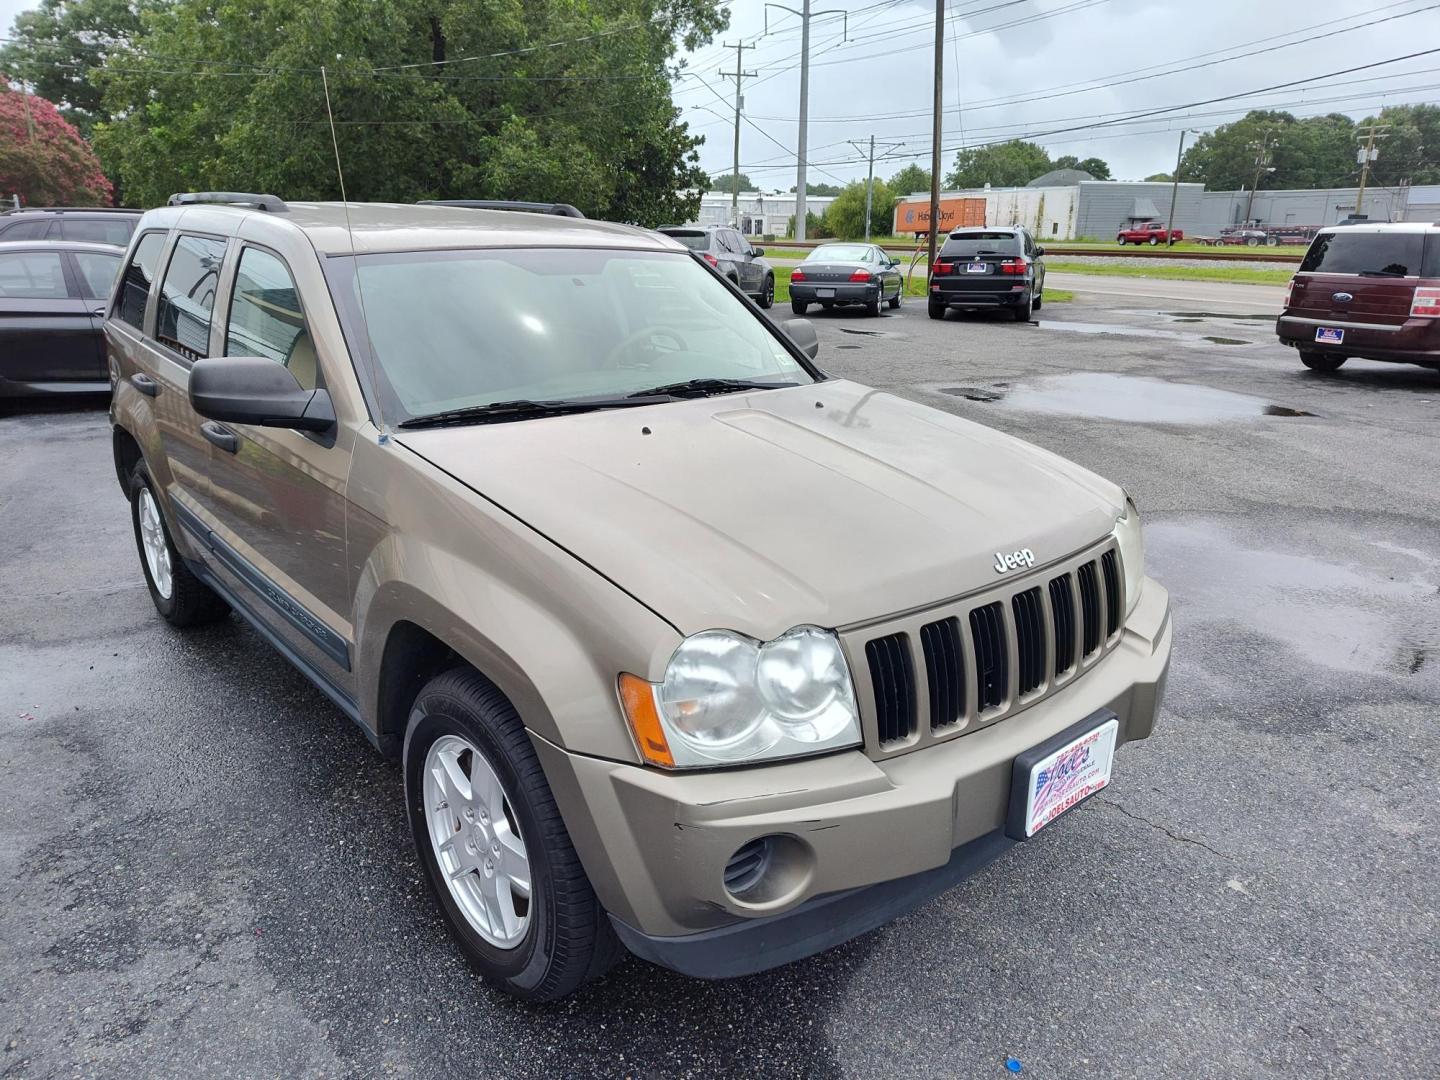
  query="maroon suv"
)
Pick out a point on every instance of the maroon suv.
point(1371, 291)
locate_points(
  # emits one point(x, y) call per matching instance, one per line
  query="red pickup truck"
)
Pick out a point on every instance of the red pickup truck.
point(1148, 232)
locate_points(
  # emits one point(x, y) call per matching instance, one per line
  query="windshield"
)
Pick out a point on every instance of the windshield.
point(840, 253)
point(455, 329)
point(1347, 252)
point(986, 243)
point(695, 241)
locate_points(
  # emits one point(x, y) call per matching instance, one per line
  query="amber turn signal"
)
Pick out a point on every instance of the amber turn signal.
point(638, 699)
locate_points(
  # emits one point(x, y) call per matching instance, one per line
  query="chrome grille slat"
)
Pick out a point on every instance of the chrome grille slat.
point(933, 675)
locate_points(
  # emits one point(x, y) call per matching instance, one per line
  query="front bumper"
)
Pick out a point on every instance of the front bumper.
point(866, 839)
point(1415, 341)
point(843, 292)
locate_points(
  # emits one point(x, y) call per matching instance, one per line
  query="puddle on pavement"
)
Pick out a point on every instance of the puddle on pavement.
point(1224, 316)
point(1125, 397)
point(1361, 617)
point(1120, 330)
point(867, 333)
point(847, 346)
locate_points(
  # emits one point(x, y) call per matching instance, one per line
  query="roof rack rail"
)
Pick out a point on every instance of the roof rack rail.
point(271, 203)
point(559, 208)
point(64, 209)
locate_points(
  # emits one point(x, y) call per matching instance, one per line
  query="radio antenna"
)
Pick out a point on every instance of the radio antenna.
point(354, 261)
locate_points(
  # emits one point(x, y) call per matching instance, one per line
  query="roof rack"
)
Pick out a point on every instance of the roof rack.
point(559, 208)
point(227, 198)
point(77, 209)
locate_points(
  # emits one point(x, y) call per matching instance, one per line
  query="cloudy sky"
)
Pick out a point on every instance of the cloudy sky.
point(1057, 53)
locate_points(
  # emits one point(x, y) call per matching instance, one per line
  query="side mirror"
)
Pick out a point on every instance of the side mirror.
point(257, 390)
point(757, 252)
point(802, 333)
point(1039, 251)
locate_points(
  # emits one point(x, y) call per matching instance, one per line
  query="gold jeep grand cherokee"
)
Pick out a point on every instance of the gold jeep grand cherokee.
point(684, 645)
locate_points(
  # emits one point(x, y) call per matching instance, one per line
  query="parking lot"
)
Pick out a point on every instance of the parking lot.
point(207, 869)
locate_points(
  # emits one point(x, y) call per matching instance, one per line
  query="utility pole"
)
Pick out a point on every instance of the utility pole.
point(870, 175)
point(739, 75)
point(29, 119)
point(936, 128)
point(1367, 154)
point(803, 139)
point(1262, 160)
point(1175, 187)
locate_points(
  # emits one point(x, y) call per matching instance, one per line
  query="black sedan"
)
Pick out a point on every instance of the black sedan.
point(52, 304)
point(846, 274)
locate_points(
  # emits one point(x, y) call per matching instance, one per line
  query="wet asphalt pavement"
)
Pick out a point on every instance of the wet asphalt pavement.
point(206, 869)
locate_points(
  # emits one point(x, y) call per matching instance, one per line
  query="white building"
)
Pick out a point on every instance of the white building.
point(760, 213)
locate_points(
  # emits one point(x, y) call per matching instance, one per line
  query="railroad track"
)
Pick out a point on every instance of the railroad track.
point(1143, 251)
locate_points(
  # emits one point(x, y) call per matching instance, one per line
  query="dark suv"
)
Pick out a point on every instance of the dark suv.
point(1366, 290)
point(87, 224)
point(732, 255)
point(996, 267)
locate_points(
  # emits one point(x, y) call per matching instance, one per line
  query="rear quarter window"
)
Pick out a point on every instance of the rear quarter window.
point(1349, 252)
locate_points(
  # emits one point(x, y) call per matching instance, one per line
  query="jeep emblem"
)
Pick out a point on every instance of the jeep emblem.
point(1016, 559)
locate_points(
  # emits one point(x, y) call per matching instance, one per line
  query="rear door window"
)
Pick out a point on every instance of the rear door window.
point(112, 230)
point(265, 316)
point(187, 296)
point(31, 229)
point(138, 276)
point(97, 273)
point(1371, 254)
point(32, 275)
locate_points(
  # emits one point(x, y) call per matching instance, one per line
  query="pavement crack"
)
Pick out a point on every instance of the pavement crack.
point(1167, 831)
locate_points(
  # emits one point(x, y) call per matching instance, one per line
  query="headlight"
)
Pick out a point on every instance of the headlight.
point(1132, 553)
point(728, 699)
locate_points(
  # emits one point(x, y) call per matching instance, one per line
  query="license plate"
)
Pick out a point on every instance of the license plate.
point(1061, 773)
point(1329, 335)
point(977, 268)
point(824, 292)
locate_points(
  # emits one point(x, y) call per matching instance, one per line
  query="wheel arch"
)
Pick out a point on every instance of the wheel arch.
point(127, 453)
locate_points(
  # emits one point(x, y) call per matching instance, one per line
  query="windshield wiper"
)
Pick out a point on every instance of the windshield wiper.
point(705, 387)
point(498, 412)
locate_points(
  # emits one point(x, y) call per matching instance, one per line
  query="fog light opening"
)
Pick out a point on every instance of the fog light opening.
point(747, 866)
point(769, 871)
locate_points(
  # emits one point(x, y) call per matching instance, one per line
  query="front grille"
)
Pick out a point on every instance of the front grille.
point(945, 671)
point(992, 669)
point(983, 657)
point(1029, 638)
point(893, 675)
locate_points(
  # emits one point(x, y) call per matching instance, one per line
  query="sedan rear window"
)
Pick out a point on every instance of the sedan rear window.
point(695, 241)
point(1388, 254)
point(840, 253)
point(981, 243)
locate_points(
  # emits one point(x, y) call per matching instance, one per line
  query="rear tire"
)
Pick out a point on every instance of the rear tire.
point(767, 293)
point(180, 597)
point(799, 307)
point(936, 311)
point(565, 939)
point(1154, 240)
point(872, 307)
point(1021, 311)
point(1039, 299)
point(1322, 362)
point(894, 301)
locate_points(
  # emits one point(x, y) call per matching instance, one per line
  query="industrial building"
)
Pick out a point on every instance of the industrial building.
point(758, 214)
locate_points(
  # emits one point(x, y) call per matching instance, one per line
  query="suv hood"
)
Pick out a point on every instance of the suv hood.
point(829, 504)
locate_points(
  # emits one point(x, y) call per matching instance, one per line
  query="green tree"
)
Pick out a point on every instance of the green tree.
point(43, 159)
point(1008, 164)
point(721, 181)
point(1096, 167)
point(818, 189)
point(423, 106)
point(909, 180)
point(1160, 178)
point(1410, 150)
point(845, 217)
point(58, 45)
point(1317, 151)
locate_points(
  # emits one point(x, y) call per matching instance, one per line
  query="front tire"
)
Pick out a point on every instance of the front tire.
point(179, 596)
point(494, 848)
point(767, 294)
point(1322, 362)
point(1120, 240)
point(799, 307)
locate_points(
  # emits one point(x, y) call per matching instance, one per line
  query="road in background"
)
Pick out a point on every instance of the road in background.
point(205, 869)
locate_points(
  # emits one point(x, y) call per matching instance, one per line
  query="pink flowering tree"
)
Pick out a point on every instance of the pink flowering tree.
point(43, 159)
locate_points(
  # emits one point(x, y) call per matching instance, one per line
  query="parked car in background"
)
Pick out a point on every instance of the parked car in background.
point(682, 645)
point(844, 274)
point(84, 224)
point(1148, 232)
point(988, 268)
point(52, 302)
point(732, 255)
point(1367, 290)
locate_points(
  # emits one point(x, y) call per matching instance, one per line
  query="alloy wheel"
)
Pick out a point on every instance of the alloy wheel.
point(152, 542)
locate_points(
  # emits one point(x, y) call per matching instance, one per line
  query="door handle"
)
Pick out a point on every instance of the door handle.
point(145, 384)
point(99, 312)
point(220, 436)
